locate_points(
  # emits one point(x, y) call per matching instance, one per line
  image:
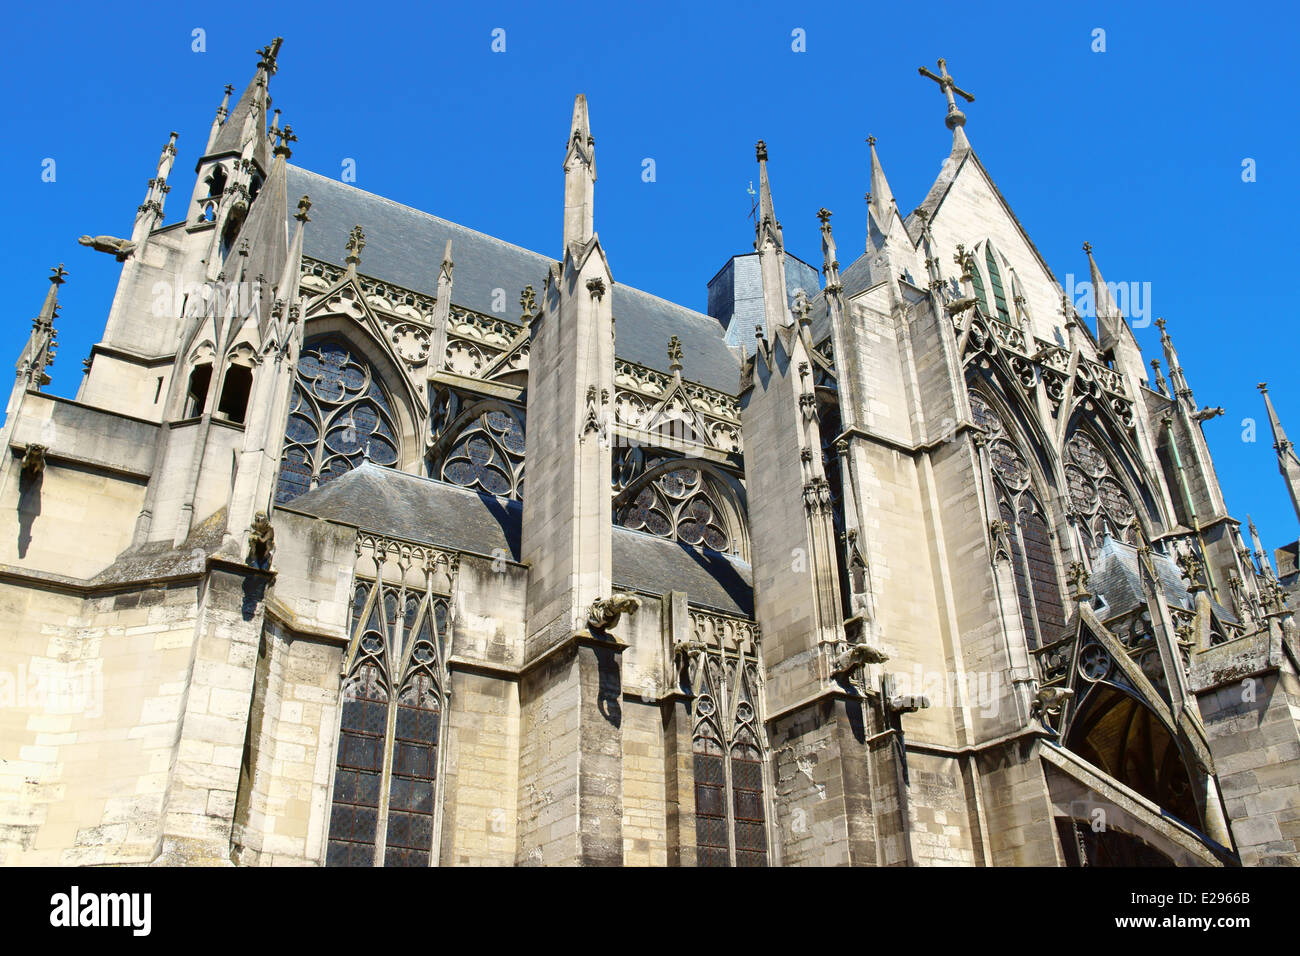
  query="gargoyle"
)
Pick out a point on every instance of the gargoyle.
point(33, 460)
point(856, 654)
point(907, 703)
point(261, 541)
point(118, 247)
point(605, 612)
point(1049, 701)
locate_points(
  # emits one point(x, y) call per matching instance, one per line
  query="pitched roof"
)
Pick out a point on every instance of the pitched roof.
point(1116, 580)
point(405, 247)
point(383, 500)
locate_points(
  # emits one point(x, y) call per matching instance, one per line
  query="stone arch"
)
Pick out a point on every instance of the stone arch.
point(340, 413)
point(691, 500)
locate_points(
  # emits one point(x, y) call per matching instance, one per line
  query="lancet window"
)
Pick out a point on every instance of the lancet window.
point(1028, 530)
point(727, 751)
point(384, 796)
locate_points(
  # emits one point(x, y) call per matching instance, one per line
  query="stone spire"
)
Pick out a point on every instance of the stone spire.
point(881, 207)
point(1114, 336)
point(1182, 392)
point(217, 121)
point(150, 213)
point(579, 178)
point(767, 227)
point(265, 230)
point(771, 252)
point(1261, 556)
point(1287, 461)
point(38, 354)
point(247, 122)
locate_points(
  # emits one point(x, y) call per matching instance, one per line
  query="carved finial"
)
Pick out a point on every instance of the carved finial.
point(1087, 248)
point(871, 141)
point(1263, 387)
point(596, 286)
point(675, 354)
point(268, 54)
point(824, 215)
point(527, 300)
point(356, 242)
point(760, 150)
point(57, 274)
point(1078, 577)
point(303, 205)
point(285, 138)
point(1160, 324)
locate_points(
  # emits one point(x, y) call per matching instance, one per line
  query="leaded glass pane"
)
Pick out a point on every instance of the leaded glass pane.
point(338, 416)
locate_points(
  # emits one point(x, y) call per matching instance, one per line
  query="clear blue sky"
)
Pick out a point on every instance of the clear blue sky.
point(1137, 149)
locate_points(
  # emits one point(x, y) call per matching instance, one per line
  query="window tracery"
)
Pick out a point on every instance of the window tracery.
point(681, 504)
point(389, 733)
point(727, 749)
point(338, 415)
point(1100, 501)
point(487, 451)
point(1029, 535)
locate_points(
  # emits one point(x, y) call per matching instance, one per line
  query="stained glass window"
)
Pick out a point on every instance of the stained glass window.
point(338, 415)
point(730, 817)
point(1099, 499)
point(388, 744)
point(1029, 536)
point(489, 455)
point(995, 279)
point(683, 505)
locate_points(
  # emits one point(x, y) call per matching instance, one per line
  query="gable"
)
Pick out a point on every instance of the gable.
point(972, 209)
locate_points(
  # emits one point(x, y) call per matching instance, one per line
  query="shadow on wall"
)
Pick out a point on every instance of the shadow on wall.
point(29, 506)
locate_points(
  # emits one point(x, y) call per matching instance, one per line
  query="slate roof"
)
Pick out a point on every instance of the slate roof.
point(386, 501)
point(405, 246)
point(1116, 580)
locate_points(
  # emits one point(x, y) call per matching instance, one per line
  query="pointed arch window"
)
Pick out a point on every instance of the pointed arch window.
point(686, 503)
point(995, 280)
point(384, 795)
point(727, 759)
point(485, 453)
point(1100, 501)
point(338, 416)
point(1028, 531)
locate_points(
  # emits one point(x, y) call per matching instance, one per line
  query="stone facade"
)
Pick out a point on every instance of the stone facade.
point(334, 560)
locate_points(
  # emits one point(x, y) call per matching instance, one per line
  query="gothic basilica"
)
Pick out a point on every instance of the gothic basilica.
point(340, 557)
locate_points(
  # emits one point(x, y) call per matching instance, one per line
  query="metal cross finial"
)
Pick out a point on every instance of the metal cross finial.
point(949, 86)
point(230, 88)
point(675, 354)
point(753, 200)
point(57, 274)
point(356, 242)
